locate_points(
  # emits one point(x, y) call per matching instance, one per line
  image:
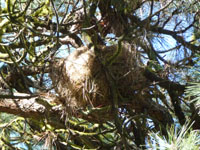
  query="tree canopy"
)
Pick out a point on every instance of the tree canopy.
point(99, 74)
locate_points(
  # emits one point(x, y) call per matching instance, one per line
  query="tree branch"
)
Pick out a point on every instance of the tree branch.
point(29, 108)
point(169, 85)
point(174, 89)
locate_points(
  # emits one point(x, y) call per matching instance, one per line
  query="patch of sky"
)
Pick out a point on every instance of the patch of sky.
point(163, 43)
point(15, 137)
point(21, 146)
point(7, 38)
point(3, 3)
point(64, 51)
point(144, 11)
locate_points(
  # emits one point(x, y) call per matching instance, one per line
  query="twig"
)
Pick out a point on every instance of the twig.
point(57, 25)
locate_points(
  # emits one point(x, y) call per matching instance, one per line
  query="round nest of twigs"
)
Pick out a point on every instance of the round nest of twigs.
point(81, 79)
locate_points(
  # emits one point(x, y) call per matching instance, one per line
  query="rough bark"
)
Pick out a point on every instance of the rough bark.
point(26, 106)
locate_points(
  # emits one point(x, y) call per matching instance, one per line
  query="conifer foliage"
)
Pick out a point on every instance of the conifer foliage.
point(99, 74)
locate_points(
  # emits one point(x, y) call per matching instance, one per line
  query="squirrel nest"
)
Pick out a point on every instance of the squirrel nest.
point(81, 81)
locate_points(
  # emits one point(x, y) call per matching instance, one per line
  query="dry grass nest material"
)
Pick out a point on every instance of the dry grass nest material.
point(81, 82)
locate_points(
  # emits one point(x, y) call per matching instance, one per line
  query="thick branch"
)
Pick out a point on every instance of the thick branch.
point(176, 102)
point(169, 85)
point(29, 108)
point(22, 106)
